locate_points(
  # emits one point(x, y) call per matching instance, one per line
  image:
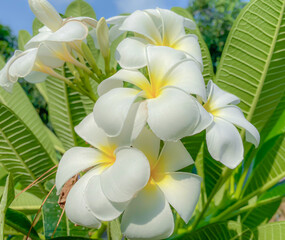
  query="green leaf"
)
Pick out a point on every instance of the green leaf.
point(252, 63)
point(36, 26)
point(7, 198)
point(80, 8)
point(208, 72)
point(20, 104)
point(26, 202)
point(271, 231)
point(56, 142)
point(270, 168)
point(51, 213)
point(20, 223)
point(67, 108)
point(21, 152)
point(70, 238)
point(23, 37)
point(219, 231)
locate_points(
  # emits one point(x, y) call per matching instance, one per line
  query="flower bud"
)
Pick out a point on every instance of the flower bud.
point(46, 13)
point(102, 32)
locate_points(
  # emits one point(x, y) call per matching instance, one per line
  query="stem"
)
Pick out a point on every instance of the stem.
point(227, 172)
point(107, 65)
point(109, 231)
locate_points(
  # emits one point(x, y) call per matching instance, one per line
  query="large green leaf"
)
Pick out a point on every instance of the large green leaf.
point(23, 37)
point(271, 231)
point(80, 8)
point(219, 231)
point(270, 168)
point(26, 202)
point(20, 104)
point(20, 223)
point(21, 152)
point(208, 72)
point(252, 63)
point(7, 198)
point(67, 108)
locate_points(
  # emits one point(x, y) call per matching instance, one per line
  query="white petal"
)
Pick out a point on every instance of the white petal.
point(87, 20)
point(182, 191)
point(75, 207)
point(23, 64)
point(36, 77)
point(173, 157)
point(189, 24)
point(97, 202)
point(172, 26)
point(205, 120)
point(160, 60)
point(36, 40)
point(142, 23)
point(135, 121)
point(74, 161)
point(149, 144)
point(91, 133)
point(131, 76)
point(187, 76)
point(234, 115)
point(69, 32)
point(172, 114)
point(219, 98)
point(47, 54)
point(114, 32)
point(148, 216)
point(130, 53)
point(129, 174)
point(117, 20)
point(46, 13)
point(190, 45)
point(224, 143)
point(111, 109)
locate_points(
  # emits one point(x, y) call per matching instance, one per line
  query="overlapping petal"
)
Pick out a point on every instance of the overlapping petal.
point(74, 161)
point(234, 115)
point(172, 114)
point(75, 207)
point(182, 191)
point(148, 216)
point(99, 204)
point(129, 174)
point(130, 53)
point(173, 157)
point(224, 143)
point(111, 109)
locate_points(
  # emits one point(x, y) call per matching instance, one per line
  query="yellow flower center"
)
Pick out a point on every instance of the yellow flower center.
point(210, 108)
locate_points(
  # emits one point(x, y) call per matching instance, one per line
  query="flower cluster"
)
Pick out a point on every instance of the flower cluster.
point(132, 169)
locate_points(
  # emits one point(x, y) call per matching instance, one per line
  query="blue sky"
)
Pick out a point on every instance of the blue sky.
point(17, 14)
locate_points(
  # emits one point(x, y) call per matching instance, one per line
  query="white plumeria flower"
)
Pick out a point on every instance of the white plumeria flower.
point(223, 139)
point(165, 100)
point(158, 27)
point(56, 29)
point(119, 171)
point(148, 214)
point(31, 65)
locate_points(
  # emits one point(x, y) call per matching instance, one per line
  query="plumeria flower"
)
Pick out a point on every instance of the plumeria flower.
point(165, 100)
point(223, 139)
point(148, 214)
point(35, 64)
point(119, 170)
point(56, 29)
point(158, 27)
